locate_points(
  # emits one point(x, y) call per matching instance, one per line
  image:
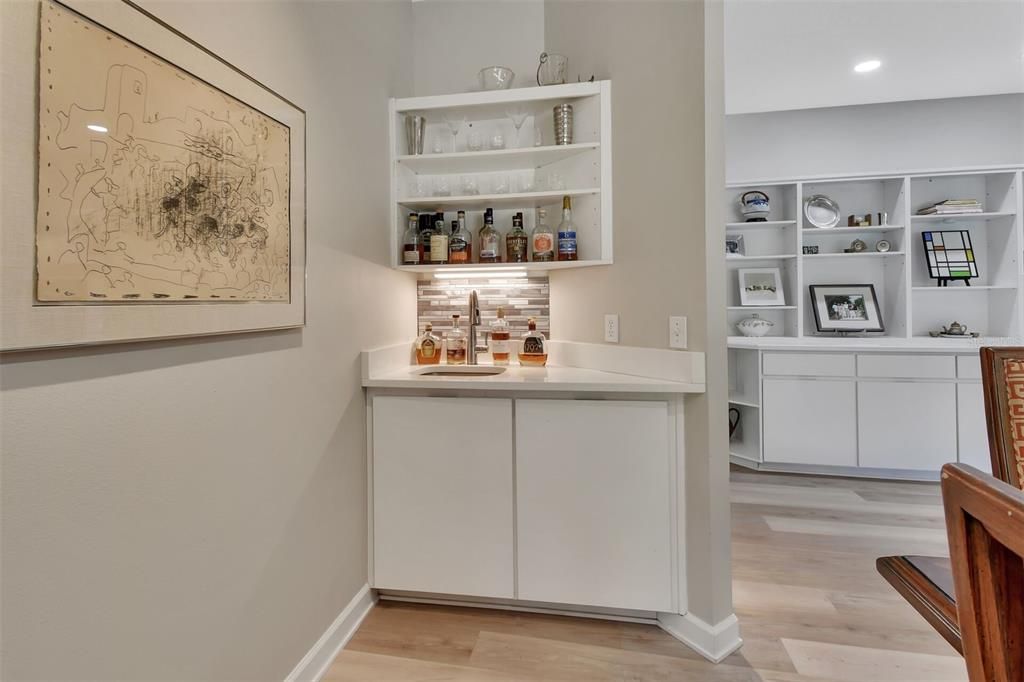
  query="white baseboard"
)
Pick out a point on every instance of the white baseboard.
point(316, 661)
point(713, 642)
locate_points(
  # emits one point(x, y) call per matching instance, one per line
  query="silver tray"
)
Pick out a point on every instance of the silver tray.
point(821, 211)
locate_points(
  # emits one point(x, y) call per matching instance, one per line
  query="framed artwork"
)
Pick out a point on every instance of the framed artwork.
point(950, 256)
point(761, 287)
point(846, 308)
point(734, 245)
point(171, 190)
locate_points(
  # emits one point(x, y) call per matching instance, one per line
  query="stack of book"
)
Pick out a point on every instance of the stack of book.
point(953, 207)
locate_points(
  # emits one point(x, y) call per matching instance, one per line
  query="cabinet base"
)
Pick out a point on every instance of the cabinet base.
point(845, 472)
point(713, 642)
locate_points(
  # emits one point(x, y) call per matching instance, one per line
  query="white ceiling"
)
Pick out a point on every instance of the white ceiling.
point(799, 54)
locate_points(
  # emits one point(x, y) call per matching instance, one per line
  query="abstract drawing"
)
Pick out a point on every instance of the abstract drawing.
point(153, 185)
point(950, 255)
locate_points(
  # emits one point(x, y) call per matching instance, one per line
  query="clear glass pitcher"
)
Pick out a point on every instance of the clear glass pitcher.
point(553, 69)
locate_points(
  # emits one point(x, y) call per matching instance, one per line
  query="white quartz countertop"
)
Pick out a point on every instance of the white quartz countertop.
point(572, 368)
point(870, 344)
point(517, 378)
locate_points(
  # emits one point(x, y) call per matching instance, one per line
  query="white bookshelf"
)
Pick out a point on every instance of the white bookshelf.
point(584, 167)
point(911, 302)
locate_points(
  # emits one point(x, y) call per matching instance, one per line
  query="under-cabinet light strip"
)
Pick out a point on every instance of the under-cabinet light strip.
point(495, 272)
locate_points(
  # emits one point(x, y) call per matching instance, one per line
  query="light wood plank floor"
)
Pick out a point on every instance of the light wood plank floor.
point(810, 603)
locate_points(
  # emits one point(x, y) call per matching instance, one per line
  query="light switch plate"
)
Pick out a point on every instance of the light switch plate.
point(677, 332)
point(611, 328)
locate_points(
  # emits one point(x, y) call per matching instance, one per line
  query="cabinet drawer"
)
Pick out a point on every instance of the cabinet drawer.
point(968, 366)
point(809, 364)
point(906, 366)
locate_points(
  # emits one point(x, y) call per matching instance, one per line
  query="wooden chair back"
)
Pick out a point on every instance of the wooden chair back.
point(985, 523)
point(1002, 376)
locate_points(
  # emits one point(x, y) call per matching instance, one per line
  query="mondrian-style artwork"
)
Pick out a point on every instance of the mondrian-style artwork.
point(950, 255)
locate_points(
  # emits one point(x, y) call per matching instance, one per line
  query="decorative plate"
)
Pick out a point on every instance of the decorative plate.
point(821, 211)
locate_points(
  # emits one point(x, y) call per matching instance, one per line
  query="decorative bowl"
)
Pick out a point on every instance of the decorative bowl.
point(496, 78)
point(754, 326)
point(821, 211)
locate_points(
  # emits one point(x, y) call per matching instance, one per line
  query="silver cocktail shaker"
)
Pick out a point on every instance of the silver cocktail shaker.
point(563, 124)
point(415, 128)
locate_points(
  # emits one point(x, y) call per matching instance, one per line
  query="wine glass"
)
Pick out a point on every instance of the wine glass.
point(455, 123)
point(518, 116)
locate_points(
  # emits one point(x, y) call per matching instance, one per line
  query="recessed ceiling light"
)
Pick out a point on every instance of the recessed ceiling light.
point(868, 66)
point(96, 128)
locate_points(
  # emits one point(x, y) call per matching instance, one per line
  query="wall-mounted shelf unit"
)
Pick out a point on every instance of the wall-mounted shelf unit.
point(521, 177)
point(912, 304)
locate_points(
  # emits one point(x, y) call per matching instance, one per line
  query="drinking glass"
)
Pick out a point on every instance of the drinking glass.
point(538, 138)
point(455, 123)
point(436, 146)
point(419, 187)
point(441, 186)
point(500, 184)
point(469, 186)
point(475, 142)
point(556, 182)
point(518, 116)
point(497, 139)
point(526, 183)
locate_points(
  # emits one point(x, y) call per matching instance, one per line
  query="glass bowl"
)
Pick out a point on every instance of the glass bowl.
point(496, 78)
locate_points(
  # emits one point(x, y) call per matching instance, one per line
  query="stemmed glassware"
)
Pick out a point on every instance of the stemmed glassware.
point(518, 116)
point(455, 123)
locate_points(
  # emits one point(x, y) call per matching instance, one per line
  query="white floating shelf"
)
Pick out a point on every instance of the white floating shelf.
point(848, 230)
point(763, 225)
point(742, 400)
point(501, 270)
point(496, 100)
point(962, 289)
point(755, 308)
point(525, 158)
point(862, 254)
point(481, 201)
point(981, 217)
point(780, 256)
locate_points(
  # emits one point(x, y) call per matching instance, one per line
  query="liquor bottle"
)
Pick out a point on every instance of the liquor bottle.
point(460, 244)
point(490, 240)
point(534, 351)
point(567, 232)
point(517, 242)
point(500, 335)
point(426, 232)
point(456, 343)
point(412, 245)
point(542, 241)
point(428, 347)
point(439, 241)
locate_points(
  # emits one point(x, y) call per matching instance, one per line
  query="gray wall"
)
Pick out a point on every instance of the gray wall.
point(454, 39)
point(876, 138)
point(196, 509)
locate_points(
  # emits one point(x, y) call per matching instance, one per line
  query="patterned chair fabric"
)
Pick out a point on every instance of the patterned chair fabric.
point(1002, 376)
point(1013, 373)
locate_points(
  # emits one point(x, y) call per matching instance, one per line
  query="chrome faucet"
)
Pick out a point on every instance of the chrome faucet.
point(474, 322)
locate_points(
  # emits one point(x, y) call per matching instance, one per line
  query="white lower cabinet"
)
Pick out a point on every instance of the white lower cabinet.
point(907, 425)
point(973, 432)
point(810, 421)
point(594, 503)
point(442, 495)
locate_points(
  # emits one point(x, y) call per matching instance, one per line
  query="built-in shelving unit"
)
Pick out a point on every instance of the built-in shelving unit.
point(912, 304)
point(531, 174)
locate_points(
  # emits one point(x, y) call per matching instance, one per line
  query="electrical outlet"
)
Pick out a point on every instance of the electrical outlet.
point(677, 332)
point(611, 328)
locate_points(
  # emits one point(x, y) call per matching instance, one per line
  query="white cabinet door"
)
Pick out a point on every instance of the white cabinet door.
point(973, 435)
point(593, 501)
point(442, 495)
point(907, 425)
point(810, 421)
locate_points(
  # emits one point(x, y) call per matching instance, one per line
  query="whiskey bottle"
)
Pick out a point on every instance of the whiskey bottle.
point(428, 347)
point(439, 241)
point(542, 240)
point(534, 351)
point(500, 335)
point(460, 244)
point(456, 343)
point(567, 232)
point(490, 240)
point(412, 245)
point(426, 232)
point(516, 241)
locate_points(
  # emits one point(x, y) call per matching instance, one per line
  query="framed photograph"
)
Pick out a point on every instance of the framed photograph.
point(846, 308)
point(170, 190)
point(950, 256)
point(734, 245)
point(761, 287)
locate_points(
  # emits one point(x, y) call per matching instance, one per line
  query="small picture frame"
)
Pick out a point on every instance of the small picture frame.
point(734, 245)
point(761, 287)
point(811, 250)
point(846, 308)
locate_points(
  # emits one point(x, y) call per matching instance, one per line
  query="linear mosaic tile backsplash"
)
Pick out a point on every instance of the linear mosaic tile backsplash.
point(438, 299)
